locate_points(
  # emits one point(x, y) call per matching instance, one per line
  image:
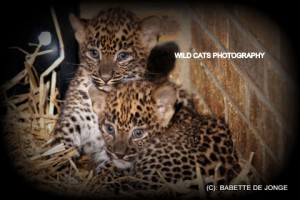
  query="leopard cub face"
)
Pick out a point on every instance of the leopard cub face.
point(130, 114)
point(114, 46)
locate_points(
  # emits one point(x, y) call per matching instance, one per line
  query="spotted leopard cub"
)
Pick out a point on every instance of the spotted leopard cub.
point(145, 132)
point(113, 48)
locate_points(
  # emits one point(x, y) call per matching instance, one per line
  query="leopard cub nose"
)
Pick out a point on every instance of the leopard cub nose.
point(120, 156)
point(105, 77)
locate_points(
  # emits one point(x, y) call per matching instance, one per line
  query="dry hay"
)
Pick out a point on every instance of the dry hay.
point(28, 124)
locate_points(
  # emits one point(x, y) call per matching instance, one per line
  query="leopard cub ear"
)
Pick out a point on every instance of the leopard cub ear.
point(165, 97)
point(78, 26)
point(150, 31)
point(98, 98)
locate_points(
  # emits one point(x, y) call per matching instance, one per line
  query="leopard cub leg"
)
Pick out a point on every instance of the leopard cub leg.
point(77, 125)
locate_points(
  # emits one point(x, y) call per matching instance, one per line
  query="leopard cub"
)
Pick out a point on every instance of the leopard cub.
point(145, 131)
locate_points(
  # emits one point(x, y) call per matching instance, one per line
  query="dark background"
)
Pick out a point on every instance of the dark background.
point(25, 27)
point(21, 23)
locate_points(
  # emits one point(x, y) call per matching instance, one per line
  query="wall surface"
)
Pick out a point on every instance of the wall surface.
point(255, 96)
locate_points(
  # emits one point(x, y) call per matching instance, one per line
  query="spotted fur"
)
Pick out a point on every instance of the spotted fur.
point(146, 132)
point(115, 45)
point(113, 48)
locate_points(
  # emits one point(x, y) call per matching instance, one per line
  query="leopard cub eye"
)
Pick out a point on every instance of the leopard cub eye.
point(138, 133)
point(94, 53)
point(122, 56)
point(109, 129)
